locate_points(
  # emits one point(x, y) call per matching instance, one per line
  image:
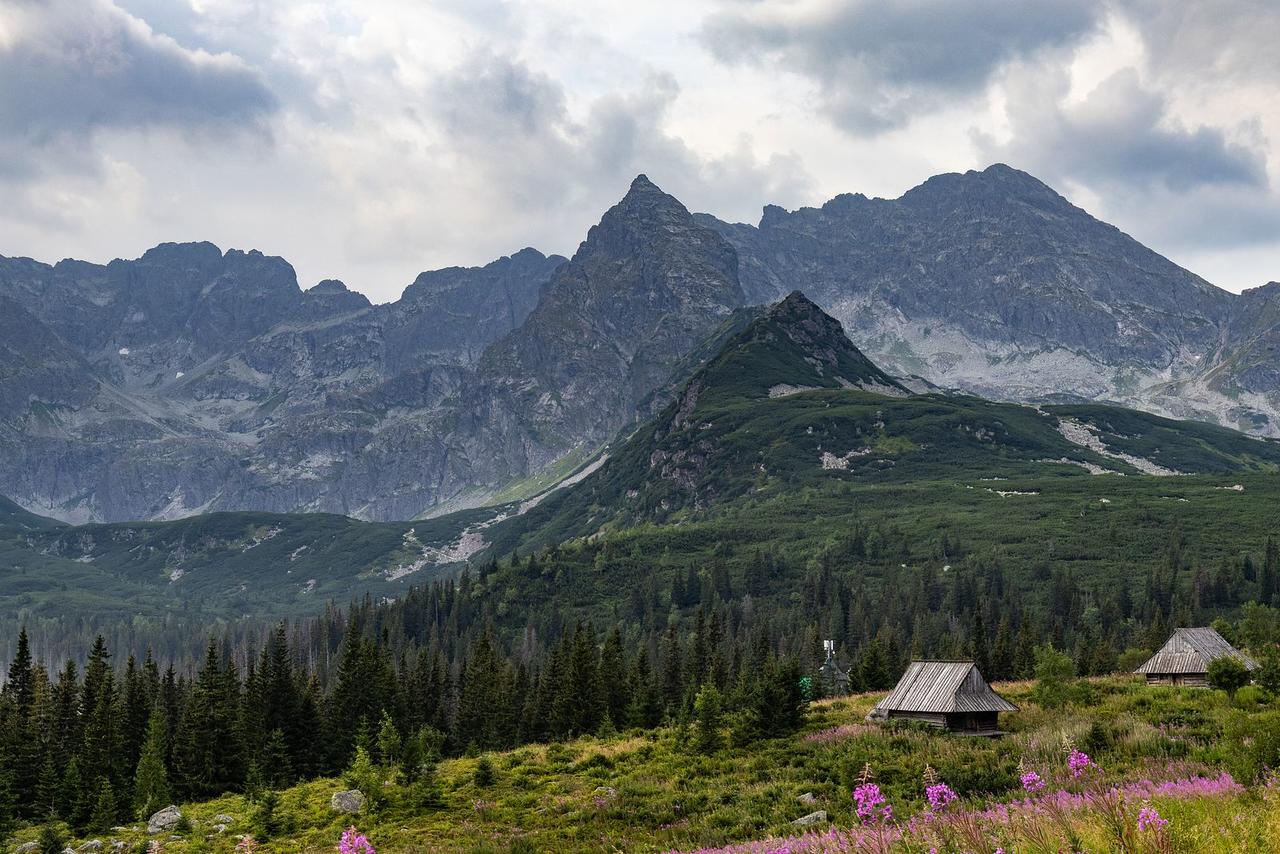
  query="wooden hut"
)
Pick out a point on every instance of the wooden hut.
point(1185, 657)
point(950, 695)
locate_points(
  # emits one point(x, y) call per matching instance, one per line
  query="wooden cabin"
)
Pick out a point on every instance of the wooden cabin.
point(950, 695)
point(1185, 657)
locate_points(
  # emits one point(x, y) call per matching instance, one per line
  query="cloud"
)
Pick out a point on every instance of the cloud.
point(73, 67)
point(878, 65)
point(1135, 164)
point(1120, 136)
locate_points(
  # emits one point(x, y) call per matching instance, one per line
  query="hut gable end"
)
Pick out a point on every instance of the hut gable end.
point(942, 687)
point(1188, 653)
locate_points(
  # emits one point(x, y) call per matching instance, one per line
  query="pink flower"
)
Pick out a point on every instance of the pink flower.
point(1031, 782)
point(870, 805)
point(1078, 762)
point(1149, 818)
point(939, 796)
point(355, 842)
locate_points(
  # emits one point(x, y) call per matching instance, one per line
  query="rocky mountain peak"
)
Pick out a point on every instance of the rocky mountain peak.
point(793, 346)
point(329, 287)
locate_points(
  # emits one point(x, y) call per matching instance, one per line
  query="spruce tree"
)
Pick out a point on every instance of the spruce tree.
point(103, 817)
point(708, 709)
point(151, 780)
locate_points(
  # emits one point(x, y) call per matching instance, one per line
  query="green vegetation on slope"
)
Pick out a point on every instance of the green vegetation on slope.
point(654, 791)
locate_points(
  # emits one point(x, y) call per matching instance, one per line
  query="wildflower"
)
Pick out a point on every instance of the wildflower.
point(939, 796)
point(246, 845)
point(1078, 762)
point(1148, 818)
point(868, 801)
point(1031, 782)
point(355, 842)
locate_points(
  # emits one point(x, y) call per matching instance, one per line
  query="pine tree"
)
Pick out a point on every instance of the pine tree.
point(389, 744)
point(151, 780)
point(104, 810)
point(613, 678)
point(708, 711)
point(20, 744)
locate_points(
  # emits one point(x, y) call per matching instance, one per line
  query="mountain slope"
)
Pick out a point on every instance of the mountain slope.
point(192, 380)
point(993, 283)
point(790, 405)
point(784, 438)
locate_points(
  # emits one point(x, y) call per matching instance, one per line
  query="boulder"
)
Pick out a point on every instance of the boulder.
point(90, 847)
point(219, 829)
point(819, 817)
point(349, 801)
point(27, 848)
point(165, 819)
point(223, 818)
point(606, 791)
point(807, 799)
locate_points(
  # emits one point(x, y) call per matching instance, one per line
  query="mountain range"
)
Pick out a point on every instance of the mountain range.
point(192, 380)
point(783, 438)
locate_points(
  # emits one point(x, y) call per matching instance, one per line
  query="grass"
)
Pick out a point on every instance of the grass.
point(649, 792)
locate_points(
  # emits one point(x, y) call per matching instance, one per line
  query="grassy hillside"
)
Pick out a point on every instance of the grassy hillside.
point(653, 791)
point(219, 565)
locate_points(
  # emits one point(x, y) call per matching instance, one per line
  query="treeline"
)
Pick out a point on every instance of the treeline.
point(111, 744)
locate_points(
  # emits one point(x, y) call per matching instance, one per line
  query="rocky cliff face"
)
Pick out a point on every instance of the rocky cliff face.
point(191, 379)
point(993, 283)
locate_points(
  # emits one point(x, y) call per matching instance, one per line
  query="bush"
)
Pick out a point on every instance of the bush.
point(1253, 745)
point(1228, 674)
point(1054, 674)
point(51, 840)
point(485, 776)
point(267, 819)
point(1250, 697)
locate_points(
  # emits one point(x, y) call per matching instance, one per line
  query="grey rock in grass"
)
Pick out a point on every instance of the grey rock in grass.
point(350, 801)
point(165, 819)
point(819, 817)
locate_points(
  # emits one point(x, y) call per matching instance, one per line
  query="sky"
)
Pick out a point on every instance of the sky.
point(368, 140)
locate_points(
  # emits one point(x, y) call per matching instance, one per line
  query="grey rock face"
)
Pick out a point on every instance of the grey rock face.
point(813, 818)
point(993, 283)
point(193, 380)
point(350, 801)
point(165, 819)
point(190, 380)
point(27, 848)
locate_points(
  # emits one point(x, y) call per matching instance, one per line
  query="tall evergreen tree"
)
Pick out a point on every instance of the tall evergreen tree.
point(151, 779)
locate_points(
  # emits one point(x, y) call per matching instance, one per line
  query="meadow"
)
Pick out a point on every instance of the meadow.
point(1167, 769)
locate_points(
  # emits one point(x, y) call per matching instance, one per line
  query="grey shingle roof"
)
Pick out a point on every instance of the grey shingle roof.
point(1191, 650)
point(943, 686)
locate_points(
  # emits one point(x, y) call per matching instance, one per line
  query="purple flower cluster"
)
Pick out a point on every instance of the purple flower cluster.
point(1031, 782)
point(1078, 762)
point(873, 836)
point(1148, 818)
point(355, 842)
point(870, 805)
point(939, 796)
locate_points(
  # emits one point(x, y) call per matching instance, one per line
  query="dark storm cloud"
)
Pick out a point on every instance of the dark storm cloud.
point(70, 67)
point(878, 65)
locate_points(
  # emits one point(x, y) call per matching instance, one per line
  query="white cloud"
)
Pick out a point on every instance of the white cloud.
point(371, 139)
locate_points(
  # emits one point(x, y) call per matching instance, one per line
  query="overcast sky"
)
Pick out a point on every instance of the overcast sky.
point(367, 140)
